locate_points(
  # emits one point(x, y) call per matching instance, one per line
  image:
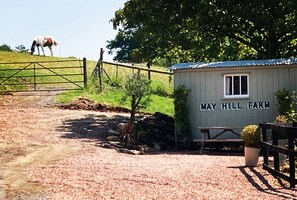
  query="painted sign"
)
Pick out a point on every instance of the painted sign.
point(234, 106)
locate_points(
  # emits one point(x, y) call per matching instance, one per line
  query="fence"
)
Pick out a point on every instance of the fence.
point(118, 73)
point(135, 68)
point(291, 133)
point(43, 76)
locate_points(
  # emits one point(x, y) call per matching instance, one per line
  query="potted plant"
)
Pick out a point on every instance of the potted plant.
point(251, 137)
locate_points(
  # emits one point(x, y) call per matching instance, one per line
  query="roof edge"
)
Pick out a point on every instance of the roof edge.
point(240, 63)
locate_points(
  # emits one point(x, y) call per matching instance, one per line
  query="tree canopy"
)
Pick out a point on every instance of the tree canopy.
point(200, 30)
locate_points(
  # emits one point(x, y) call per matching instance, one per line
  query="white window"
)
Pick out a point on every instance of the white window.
point(236, 85)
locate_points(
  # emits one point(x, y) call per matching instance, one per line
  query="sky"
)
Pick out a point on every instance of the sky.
point(81, 27)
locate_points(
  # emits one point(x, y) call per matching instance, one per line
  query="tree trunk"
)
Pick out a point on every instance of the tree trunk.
point(133, 110)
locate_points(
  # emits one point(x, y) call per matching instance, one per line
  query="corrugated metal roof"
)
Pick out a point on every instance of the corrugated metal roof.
point(241, 63)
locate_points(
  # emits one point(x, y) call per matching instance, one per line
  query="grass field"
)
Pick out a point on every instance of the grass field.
point(112, 80)
point(18, 72)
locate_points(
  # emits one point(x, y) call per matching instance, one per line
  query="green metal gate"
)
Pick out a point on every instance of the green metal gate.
point(43, 76)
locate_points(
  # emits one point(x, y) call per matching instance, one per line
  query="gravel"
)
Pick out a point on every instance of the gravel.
point(106, 174)
point(81, 169)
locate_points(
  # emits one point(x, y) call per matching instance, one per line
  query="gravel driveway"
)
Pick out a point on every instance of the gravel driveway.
point(48, 153)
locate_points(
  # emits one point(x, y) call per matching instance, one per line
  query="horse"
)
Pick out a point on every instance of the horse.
point(43, 41)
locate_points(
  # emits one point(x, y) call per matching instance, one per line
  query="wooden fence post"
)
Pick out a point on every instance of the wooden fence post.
point(117, 72)
point(35, 83)
point(149, 70)
point(100, 62)
point(85, 72)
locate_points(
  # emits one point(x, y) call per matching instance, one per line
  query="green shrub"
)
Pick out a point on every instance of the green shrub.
point(286, 101)
point(181, 109)
point(251, 136)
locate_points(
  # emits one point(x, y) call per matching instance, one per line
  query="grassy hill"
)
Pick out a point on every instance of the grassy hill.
point(113, 79)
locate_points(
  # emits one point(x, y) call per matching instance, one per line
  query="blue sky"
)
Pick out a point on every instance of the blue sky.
point(80, 27)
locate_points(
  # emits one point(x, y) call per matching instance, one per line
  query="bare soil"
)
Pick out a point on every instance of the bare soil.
point(52, 153)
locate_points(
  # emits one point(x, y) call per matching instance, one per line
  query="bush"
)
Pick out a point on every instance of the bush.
point(286, 101)
point(282, 119)
point(251, 136)
point(181, 109)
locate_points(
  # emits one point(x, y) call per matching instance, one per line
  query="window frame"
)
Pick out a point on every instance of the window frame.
point(232, 95)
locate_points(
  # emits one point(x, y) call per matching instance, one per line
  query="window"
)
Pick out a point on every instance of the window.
point(236, 85)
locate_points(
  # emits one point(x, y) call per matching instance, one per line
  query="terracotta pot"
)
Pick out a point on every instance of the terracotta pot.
point(251, 155)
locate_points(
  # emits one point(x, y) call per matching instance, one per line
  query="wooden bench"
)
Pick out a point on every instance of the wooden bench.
point(218, 137)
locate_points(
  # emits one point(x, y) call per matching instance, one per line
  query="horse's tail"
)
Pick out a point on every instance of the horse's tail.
point(55, 43)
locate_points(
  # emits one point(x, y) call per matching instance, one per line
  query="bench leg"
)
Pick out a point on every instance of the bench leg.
point(204, 133)
point(202, 144)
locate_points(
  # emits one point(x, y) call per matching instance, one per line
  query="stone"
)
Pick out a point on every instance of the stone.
point(106, 145)
point(112, 138)
point(121, 126)
point(144, 149)
point(123, 150)
point(113, 132)
point(157, 147)
point(116, 144)
point(134, 152)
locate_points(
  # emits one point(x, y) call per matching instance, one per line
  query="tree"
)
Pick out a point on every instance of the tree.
point(138, 90)
point(21, 48)
point(5, 47)
point(266, 27)
point(123, 45)
point(199, 30)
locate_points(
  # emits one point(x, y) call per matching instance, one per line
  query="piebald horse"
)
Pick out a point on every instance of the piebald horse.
point(43, 41)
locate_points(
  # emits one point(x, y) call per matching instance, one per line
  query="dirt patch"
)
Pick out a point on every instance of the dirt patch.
point(14, 174)
point(28, 99)
point(28, 138)
point(34, 137)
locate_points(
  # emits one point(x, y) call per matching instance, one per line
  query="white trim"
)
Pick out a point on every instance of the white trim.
point(232, 92)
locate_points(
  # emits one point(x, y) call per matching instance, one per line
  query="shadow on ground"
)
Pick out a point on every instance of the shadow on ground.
point(93, 127)
point(258, 180)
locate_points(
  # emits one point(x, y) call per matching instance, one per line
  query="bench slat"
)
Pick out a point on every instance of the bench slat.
point(219, 140)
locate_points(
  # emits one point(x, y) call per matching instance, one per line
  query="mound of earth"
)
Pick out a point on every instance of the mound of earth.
point(86, 104)
point(158, 128)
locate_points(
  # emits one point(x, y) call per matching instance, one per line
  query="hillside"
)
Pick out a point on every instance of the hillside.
point(113, 79)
